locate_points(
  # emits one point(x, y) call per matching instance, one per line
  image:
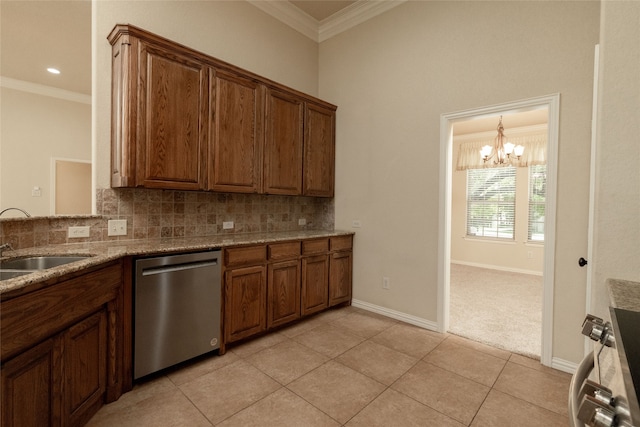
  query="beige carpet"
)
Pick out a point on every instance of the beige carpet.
point(498, 308)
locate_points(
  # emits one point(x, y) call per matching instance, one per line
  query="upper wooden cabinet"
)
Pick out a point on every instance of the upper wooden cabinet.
point(283, 144)
point(237, 116)
point(186, 121)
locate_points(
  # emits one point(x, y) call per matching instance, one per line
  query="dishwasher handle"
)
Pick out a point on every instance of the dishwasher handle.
point(178, 267)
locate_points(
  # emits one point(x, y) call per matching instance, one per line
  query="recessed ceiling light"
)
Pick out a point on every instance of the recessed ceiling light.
point(53, 70)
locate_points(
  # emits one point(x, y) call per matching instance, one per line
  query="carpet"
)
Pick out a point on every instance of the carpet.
point(498, 308)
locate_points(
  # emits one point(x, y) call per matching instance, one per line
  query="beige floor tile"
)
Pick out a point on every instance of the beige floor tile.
point(500, 410)
point(141, 392)
point(377, 361)
point(365, 325)
point(466, 361)
point(395, 409)
point(546, 390)
point(409, 339)
point(334, 314)
point(287, 361)
point(301, 327)
point(497, 352)
point(201, 367)
point(329, 340)
point(453, 395)
point(168, 409)
point(337, 390)
point(228, 390)
point(535, 364)
point(280, 409)
point(257, 344)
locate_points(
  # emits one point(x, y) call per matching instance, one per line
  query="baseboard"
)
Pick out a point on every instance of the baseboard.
point(564, 365)
point(398, 315)
point(498, 267)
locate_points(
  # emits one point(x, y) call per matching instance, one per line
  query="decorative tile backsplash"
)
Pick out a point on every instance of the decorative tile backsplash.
point(164, 213)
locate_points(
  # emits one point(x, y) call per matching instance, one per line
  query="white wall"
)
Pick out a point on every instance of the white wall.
point(393, 76)
point(233, 31)
point(33, 129)
point(617, 216)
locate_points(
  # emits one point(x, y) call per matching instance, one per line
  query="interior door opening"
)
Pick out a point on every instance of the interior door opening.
point(450, 126)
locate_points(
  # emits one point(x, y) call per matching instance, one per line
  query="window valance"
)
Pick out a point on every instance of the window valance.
point(535, 152)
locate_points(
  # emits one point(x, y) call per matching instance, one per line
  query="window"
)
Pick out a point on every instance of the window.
point(537, 198)
point(491, 197)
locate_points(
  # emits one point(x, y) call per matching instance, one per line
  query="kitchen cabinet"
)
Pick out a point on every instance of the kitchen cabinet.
point(184, 120)
point(319, 147)
point(245, 292)
point(340, 269)
point(159, 111)
point(237, 115)
point(283, 283)
point(283, 144)
point(315, 275)
point(62, 361)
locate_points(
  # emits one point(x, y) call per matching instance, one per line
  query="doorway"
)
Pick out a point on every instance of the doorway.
point(447, 123)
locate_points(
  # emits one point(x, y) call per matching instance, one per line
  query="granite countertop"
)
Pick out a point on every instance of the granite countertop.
point(101, 252)
point(624, 294)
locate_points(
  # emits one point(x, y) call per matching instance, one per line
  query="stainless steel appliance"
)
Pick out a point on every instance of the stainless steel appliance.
point(176, 309)
point(604, 390)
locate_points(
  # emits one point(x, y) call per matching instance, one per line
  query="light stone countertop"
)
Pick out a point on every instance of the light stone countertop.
point(102, 252)
point(624, 294)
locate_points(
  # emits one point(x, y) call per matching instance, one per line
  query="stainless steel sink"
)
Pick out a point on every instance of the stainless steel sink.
point(17, 267)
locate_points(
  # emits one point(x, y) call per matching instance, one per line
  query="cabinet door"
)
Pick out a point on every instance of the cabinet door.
point(319, 146)
point(245, 302)
point(315, 283)
point(283, 292)
point(85, 368)
point(340, 266)
point(172, 117)
point(283, 144)
point(235, 156)
point(30, 387)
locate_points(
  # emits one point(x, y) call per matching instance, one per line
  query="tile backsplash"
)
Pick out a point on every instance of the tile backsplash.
point(165, 213)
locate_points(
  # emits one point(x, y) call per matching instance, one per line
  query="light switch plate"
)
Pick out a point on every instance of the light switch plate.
point(117, 227)
point(227, 225)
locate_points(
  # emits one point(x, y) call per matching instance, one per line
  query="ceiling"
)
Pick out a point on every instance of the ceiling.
point(35, 35)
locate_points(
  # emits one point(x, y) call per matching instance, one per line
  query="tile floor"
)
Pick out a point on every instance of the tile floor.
point(354, 368)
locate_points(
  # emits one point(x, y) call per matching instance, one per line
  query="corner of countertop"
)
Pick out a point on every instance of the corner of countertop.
point(624, 294)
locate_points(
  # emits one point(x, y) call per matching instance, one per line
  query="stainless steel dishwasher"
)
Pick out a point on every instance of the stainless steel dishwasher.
point(176, 309)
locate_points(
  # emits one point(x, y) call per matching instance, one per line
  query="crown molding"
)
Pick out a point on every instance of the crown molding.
point(39, 89)
point(290, 15)
point(319, 31)
point(353, 15)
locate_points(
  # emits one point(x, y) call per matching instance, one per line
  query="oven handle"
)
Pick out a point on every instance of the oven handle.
point(582, 373)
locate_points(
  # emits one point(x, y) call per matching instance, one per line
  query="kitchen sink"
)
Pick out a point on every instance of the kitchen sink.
point(20, 266)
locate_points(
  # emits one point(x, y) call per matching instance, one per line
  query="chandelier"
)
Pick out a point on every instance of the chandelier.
point(502, 149)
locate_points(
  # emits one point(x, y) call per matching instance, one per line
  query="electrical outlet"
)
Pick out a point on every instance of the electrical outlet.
point(356, 223)
point(385, 283)
point(117, 227)
point(77, 232)
point(302, 221)
point(227, 225)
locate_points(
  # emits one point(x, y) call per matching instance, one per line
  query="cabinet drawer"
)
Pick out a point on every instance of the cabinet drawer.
point(316, 246)
point(280, 251)
point(249, 255)
point(341, 243)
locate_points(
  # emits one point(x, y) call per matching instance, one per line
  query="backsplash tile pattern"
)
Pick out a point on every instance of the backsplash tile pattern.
point(164, 213)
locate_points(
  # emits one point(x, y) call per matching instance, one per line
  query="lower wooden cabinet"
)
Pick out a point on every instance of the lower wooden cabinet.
point(315, 280)
point(283, 292)
point(244, 302)
point(62, 351)
point(340, 266)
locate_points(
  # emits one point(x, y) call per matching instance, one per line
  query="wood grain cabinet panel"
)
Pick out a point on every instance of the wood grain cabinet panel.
point(319, 147)
point(235, 155)
point(245, 302)
point(340, 266)
point(315, 284)
point(283, 144)
point(173, 109)
point(283, 292)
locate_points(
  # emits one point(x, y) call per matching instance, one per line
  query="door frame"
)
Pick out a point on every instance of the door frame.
point(552, 103)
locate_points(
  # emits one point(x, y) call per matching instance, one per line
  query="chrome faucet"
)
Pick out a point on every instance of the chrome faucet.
point(5, 246)
point(17, 209)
